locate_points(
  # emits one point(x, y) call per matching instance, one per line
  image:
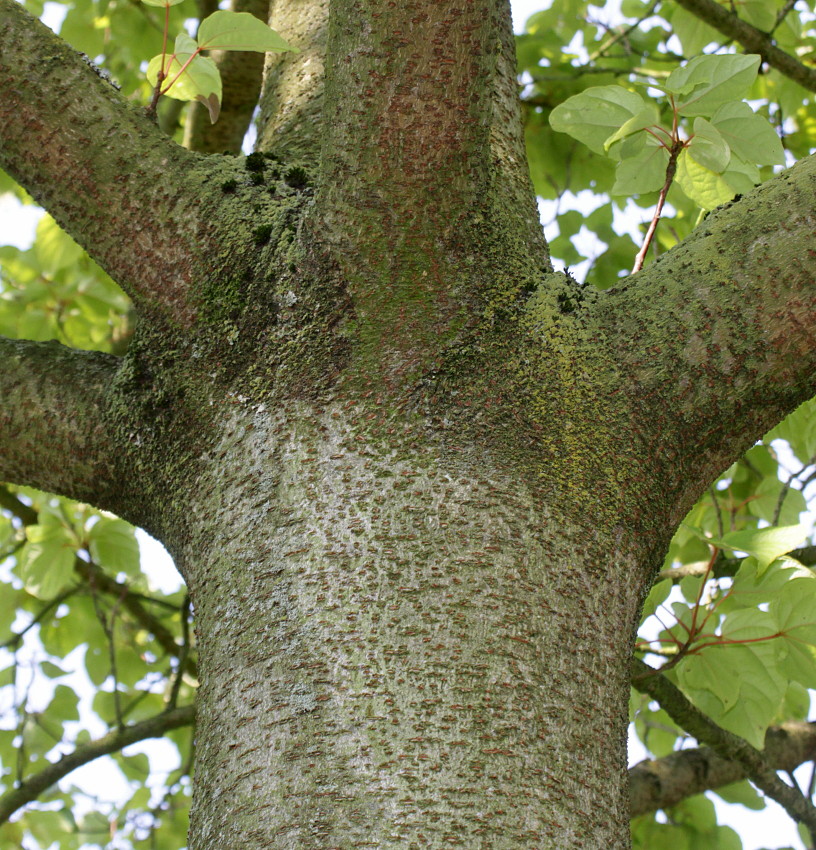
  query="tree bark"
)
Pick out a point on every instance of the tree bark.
point(401, 636)
point(417, 482)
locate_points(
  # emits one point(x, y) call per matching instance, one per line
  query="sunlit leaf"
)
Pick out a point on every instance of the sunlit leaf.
point(707, 82)
point(225, 30)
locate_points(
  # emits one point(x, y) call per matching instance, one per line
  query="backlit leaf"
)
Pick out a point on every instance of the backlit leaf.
point(707, 147)
point(749, 135)
point(704, 186)
point(224, 30)
point(596, 114)
point(707, 82)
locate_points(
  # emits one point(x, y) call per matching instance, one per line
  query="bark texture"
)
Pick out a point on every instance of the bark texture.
point(417, 482)
point(437, 641)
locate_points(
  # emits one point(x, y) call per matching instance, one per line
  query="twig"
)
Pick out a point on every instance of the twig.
point(153, 727)
point(752, 39)
point(674, 152)
point(649, 681)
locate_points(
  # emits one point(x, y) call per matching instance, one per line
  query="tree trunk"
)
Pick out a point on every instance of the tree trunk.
point(418, 483)
point(403, 643)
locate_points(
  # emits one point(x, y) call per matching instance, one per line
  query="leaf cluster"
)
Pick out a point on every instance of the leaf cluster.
point(599, 74)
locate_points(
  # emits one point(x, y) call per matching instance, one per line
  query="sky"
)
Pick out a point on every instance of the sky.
point(17, 224)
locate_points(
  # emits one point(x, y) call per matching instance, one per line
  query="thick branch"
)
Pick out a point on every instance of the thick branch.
point(752, 39)
point(424, 194)
point(660, 783)
point(95, 162)
point(727, 745)
point(52, 428)
point(290, 123)
point(241, 73)
point(714, 341)
point(154, 727)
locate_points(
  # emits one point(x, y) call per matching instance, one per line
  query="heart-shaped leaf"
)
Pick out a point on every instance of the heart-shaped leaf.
point(225, 30)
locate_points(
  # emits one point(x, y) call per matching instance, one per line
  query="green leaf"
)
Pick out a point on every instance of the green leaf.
point(225, 30)
point(47, 560)
point(112, 544)
point(704, 186)
point(657, 596)
point(707, 147)
point(185, 44)
point(796, 704)
point(799, 429)
point(200, 78)
point(135, 767)
point(644, 170)
point(749, 135)
point(765, 544)
point(54, 248)
point(594, 115)
point(648, 117)
point(741, 176)
point(64, 704)
point(794, 610)
point(657, 732)
point(694, 34)
point(708, 82)
point(162, 3)
point(742, 793)
point(97, 665)
point(754, 585)
point(759, 13)
point(52, 670)
point(765, 502)
point(742, 673)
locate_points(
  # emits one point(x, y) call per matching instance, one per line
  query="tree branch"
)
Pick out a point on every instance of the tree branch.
point(290, 122)
point(98, 578)
point(660, 783)
point(713, 343)
point(9, 502)
point(728, 746)
point(105, 172)
point(728, 566)
point(52, 429)
point(241, 74)
point(153, 727)
point(423, 170)
point(752, 39)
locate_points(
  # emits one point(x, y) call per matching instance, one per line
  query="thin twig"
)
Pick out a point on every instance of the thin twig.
point(674, 152)
point(649, 681)
point(623, 33)
point(185, 649)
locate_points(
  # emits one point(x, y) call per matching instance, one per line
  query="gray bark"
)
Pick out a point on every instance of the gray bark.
point(418, 484)
point(401, 642)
